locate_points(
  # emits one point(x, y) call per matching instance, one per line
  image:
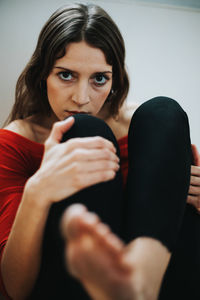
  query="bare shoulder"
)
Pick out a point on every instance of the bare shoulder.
point(127, 110)
point(29, 129)
point(120, 124)
point(21, 127)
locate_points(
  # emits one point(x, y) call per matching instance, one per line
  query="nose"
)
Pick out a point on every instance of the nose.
point(81, 94)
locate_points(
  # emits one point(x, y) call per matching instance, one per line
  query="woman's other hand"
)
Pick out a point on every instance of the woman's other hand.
point(194, 189)
point(71, 166)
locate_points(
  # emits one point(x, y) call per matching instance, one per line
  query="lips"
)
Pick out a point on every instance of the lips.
point(74, 112)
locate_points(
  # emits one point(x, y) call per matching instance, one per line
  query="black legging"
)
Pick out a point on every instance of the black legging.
point(153, 204)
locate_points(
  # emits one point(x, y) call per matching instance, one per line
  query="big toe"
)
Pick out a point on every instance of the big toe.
point(71, 220)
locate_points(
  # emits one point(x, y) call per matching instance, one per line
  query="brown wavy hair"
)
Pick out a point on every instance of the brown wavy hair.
point(71, 23)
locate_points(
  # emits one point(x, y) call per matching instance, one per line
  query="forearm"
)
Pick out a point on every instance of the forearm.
point(22, 253)
point(149, 259)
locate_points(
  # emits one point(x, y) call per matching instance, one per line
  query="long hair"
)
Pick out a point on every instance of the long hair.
point(71, 23)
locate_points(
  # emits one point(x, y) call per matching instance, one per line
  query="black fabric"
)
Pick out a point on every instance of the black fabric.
point(106, 199)
point(154, 203)
point(181, 280)
point(159, 170)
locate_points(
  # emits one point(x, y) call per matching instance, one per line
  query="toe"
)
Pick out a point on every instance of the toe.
point(70, 221)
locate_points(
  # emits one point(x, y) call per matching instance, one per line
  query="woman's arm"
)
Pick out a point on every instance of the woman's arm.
point(21, 257)
point(84, 162)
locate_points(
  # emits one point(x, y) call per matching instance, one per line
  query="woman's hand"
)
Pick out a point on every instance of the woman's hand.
point(194, 189)
point(71, 166)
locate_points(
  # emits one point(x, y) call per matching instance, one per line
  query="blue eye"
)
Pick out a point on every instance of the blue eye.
point(100, 79)
point(66, 76)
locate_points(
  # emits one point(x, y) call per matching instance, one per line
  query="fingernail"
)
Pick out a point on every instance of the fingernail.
point(68, 119)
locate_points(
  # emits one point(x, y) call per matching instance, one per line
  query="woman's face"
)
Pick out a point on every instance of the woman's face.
point(79, 82)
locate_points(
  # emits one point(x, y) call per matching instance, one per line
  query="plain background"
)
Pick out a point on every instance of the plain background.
point(162, 42)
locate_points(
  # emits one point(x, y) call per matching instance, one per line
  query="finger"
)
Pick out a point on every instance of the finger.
point(91, 155)
point(196, 155)
point(194, 190)
point(195, 171)
point(92, 178)
point(58, 129)
point(194, 180)
point(95, 166)
point(94, 142)
point(194, 200)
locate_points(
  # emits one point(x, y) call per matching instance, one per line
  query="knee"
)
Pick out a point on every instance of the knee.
point(89, 126)
point(160, 112)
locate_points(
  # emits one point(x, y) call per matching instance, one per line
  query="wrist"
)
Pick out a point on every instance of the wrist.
point(35, 193)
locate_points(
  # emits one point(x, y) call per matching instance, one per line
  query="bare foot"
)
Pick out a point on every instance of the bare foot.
point(94, 255)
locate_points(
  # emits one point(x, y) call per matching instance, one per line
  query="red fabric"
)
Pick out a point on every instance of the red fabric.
point(20, 158)
point(123, 146)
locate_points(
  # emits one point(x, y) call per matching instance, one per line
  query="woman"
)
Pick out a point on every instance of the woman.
point(48, 163)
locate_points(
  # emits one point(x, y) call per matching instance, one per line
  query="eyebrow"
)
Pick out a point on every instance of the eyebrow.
point(71, 71)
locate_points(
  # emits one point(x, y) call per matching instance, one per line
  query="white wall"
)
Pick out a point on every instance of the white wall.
point(163, 49)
